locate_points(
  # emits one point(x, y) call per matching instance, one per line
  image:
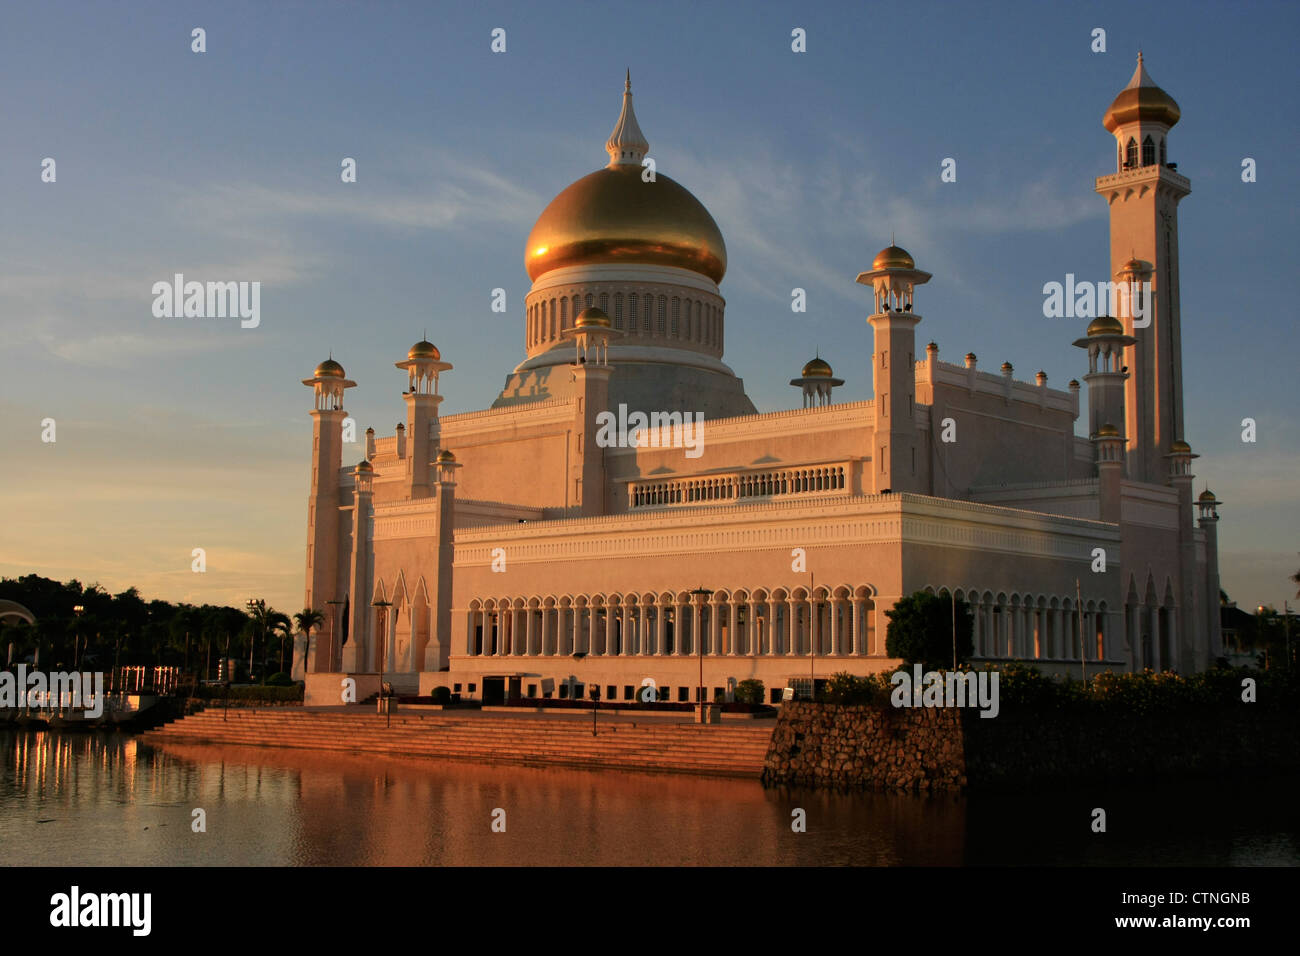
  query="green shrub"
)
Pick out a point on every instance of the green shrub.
point(750, 691)
point(921, 631)
point(279, 679)
point(441, 695)
point(846, 688)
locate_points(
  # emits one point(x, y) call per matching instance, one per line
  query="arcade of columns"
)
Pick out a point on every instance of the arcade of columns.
point(838, 624)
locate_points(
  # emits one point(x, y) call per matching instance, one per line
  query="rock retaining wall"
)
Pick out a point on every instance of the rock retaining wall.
point(886, 748)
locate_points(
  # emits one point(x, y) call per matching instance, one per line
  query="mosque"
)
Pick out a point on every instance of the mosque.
point(532, 549)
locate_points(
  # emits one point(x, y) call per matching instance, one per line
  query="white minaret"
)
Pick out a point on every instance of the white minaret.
point(423, 365)
point(893, 278)
point(328, 384)
point(1143, 195)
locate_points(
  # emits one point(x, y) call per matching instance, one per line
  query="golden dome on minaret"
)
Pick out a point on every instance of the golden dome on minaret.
point(817, 367)
point(329, 369)
point(893, 257)
point(424, 349)
point(612, 216)
point(1105, 325)
point(592, 317)
point(1141, 100)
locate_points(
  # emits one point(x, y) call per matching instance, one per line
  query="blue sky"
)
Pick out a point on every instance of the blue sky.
point(183, 433)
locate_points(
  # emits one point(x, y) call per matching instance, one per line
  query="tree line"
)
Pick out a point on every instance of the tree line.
point(86, 627)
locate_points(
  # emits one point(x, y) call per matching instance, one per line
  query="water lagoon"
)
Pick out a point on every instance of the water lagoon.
point(107, 799)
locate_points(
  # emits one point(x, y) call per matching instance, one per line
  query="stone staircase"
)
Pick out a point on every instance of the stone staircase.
point(624, 743)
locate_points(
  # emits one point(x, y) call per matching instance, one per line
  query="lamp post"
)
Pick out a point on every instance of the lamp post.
point(1259, 631)
point(573, 689)
point(1083, 646)
point(334, 630)
point(953, 595)
point(253, 608)
point(814, 634)
point(703, 594)
point(78, 610)
point(1286, 622)
point(381, 645)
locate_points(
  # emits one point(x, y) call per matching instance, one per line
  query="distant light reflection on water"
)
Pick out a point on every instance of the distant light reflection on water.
point(106, 799)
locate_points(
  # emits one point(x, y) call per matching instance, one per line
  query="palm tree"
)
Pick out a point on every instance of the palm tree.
point(259, 617)
point(307, 619)
point(280, 624)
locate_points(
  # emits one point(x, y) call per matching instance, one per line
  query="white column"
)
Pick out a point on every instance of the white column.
point(814, 626)
point(1175, 659)
point(733, 627)
point(835, 627)
point(771, 627)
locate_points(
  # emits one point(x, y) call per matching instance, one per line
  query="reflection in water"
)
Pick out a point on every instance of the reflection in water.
point(95, 799)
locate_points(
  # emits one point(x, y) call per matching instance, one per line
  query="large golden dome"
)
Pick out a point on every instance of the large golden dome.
point(611, 216)
point(614, 216)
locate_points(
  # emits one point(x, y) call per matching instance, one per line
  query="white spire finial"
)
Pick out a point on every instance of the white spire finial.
point(627, 145)
point(1140, 77)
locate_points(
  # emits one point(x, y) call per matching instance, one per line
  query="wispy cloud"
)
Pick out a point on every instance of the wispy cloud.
point(779, 217)
point(459, 193)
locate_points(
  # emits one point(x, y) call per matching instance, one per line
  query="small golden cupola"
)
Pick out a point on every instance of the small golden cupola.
point(328, 382)
point(816, 380)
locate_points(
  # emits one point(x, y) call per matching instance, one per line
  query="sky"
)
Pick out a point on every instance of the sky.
point(179, 433)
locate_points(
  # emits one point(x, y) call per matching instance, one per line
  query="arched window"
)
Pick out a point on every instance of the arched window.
point(618, 310)
point(677, 311)
point(577, 307)
point(552, 318)
point(564, 313)
point(631, 315)
point(590, 300)
point(604, 302)
point(662, 315)
point(1130, 153)
point(1164, 161)
point(645, 313)
point(1148, 152)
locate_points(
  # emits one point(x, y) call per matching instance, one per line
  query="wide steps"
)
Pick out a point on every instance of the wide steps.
point(733, 751)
